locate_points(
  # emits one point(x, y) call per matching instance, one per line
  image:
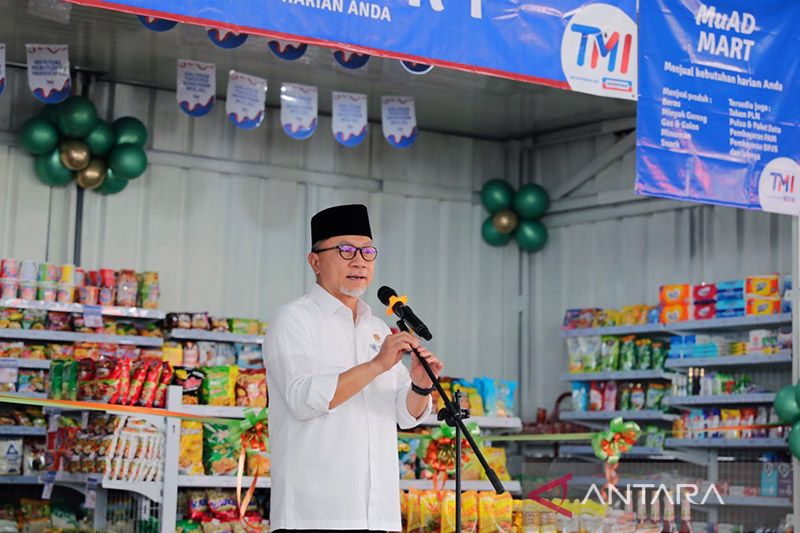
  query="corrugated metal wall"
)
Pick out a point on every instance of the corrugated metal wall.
point(222, 215)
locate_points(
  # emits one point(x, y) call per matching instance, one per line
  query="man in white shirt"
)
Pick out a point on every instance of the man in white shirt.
point(337, 392)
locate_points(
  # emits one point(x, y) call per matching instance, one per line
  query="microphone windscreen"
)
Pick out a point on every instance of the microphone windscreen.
point(384, 293)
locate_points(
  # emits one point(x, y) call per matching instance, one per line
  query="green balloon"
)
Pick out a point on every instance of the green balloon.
point(127, 161)
point(531, 201)
point(50, 170)
point(496, 195)
point(38, 136)
point(786, 405)
point(112, 184)
point(101, 139)
point(794, 440)
point(130, 130)
point(77, 117)
point(492, 236)
point(51, 112)
point(531, 235)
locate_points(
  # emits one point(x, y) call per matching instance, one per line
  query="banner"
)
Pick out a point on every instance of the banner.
point(48, 72)
point(2, 67)
point(579, 44)
point(718, 115)
point(349, 123)
point(245, 103)
point(298, 110)
point(196, 87)
point(399, 120)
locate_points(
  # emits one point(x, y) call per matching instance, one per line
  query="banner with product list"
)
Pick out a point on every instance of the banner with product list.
point(349, 122)
point(48, 72)
point(196, 87)
point(245, 102)
point(399, 120)
point(298, 110)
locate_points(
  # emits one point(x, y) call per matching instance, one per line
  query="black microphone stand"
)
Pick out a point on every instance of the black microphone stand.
point(454, 416)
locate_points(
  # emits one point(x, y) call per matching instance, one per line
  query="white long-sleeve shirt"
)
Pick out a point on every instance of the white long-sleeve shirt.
point(332, 468)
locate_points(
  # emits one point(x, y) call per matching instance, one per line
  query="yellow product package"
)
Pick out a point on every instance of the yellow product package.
point(496, 457)
point(516, 519)
point(404, 510)
point(486, 523)
point(190, 461)
point(469, 512)
point(257, 462)
point(430, 510)
point(531, 515)
point(503, 512)
point(471, 469)
point(414, 516)
point(449, 512)
point(547, 520)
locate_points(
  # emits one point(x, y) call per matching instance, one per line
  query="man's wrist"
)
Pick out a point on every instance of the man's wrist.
point(422, 391)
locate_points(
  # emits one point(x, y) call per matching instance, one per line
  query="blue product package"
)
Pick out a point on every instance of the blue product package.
point(769, 476)
point(248, 355)
point(730, 290)
point(580, 396)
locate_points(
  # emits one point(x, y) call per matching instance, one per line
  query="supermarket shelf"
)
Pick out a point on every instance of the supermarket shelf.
point(122, 312)
point(608, 415)
point(13, 362)
point(636, 451)
point(513, 487)
point(484, 422)
point(150, 489)
point(213, 336)
point(36, 395)
point(622, 375)
point(71, 336)
point(752, 501)
point(24, 431)
point(783, 357)
point(585, 481)
point(690, 325)
point(215, 411)
point(721, 399)
point(221, 481)
point(20, 480)
point(726, 443)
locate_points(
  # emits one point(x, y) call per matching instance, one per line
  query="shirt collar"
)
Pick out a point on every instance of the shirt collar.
point(330, 304)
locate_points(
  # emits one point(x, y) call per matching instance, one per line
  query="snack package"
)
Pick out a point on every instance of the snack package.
point(222, 505)
point(208, 353)
point(172, 353)
point(403, 511)
point(69, 385)
point(248, 355)
point(448, 519)
point(430, 510)
point(251, 388)
point(32, 381)
point(659, 355)
point(503, 509)
point(197, 501)
point(191, 379)
point(245, 326)
point(10, 457)
point(257, 463)
point(163, 383)
point(486, 519)
point(187, 526)
point(469, 511)
point(219, 324)
point(225, 354)
point(200, 321)
point(139, 372)
point(219, 385)
point(148, 395)
point(609, 354)
point(33, 458)
point(496, 457)
point(627, 353)
point(414, 516)
point(644, 354)
point(86, 379)
point(191, 354)
point(574, 356)
point(220, 452)
point(107, 380)
point(56, 379)
point(190, 461)
point(590, 351)
point(655, 395)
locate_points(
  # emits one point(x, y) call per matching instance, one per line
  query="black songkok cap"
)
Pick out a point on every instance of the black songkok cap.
point(351, 219)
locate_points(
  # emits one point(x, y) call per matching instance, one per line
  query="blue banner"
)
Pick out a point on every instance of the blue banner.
point(571, 44)
point(718, 113)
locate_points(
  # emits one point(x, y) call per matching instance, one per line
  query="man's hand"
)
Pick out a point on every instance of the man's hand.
point(418, 375)
point(393, 348)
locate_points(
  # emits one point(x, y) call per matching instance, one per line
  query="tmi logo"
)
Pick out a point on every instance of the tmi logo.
point(603, 46)
point(782, 182)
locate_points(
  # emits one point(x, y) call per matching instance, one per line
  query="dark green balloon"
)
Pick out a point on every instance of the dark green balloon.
point(101, 139)
point(50, 170)
point(127, 161)
point(38, 136)
point(531, 235)
point(786, 405)
point(51, 112)
point(112, 184)
point(794, 440)
point(77, 117)
point(531, 201)
point(130, 130)
point(492, 236)
point(496, 195)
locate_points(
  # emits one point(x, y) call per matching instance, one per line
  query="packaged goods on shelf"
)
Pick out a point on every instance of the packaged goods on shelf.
point(202, 321)
point(30, 515)
point(482, 396)
point(711, 423)
point(215, 511)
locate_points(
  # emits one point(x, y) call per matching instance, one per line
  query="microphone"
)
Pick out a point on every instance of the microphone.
point(397, 305)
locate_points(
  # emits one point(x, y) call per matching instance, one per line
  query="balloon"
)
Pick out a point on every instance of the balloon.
point(101, 139)
point(786, 405)
point(497, 195)
point(51, 112)
point(112, 184)
point(93, 175)
point(531, 201)
point(127, 161)
point(50, 170)
point(505, 221)
point(77, 117)
point(74, 154)
point(492, 236)
point(531, 235)
point(794, 440)
point(38, 136)
point(129, 130)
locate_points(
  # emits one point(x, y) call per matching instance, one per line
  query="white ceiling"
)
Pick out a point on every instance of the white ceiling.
point(117, 46)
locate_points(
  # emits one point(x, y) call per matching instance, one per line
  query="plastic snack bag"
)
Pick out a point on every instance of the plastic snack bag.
point(414, 517)
point(430, 510)
point(609, 354)
point(251, 388)
point(219, 385)
point(190, 461)
point(220, 455)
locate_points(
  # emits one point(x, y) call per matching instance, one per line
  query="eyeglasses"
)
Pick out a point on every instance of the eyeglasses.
point(348, 251)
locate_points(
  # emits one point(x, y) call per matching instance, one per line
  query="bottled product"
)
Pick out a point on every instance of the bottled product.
point(610, 397)
point(668, 525)
point(596, 396)
point(686, 517)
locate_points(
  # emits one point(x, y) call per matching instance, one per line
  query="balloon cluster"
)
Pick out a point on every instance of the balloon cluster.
point(619, 438)
point(514, 215)
point(786, 405)
point(69, 141)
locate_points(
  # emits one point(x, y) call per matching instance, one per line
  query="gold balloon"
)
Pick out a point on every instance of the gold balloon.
point(74, 154)
point(93, 175)
point(505, 221)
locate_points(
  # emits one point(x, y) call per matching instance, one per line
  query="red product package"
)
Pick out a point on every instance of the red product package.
point(86, 379)
point(163, 383)
point(107, 380)
point(148, 395)
point(138, 376)
point(705, 292)
point(124, 380)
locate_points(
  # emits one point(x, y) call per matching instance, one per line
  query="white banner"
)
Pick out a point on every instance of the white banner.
point(399, 119)
point(48, 72)
point(349, 118)
point(246, 100)
point(298, 110)
point(2, 67)
point(197, 87)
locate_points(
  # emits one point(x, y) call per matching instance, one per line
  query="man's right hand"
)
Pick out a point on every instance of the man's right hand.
point(393, 348)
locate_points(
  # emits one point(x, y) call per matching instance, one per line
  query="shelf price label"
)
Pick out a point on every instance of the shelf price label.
point(49, 479)
point(91, 491)
point(9, 363)
point(93, 316)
